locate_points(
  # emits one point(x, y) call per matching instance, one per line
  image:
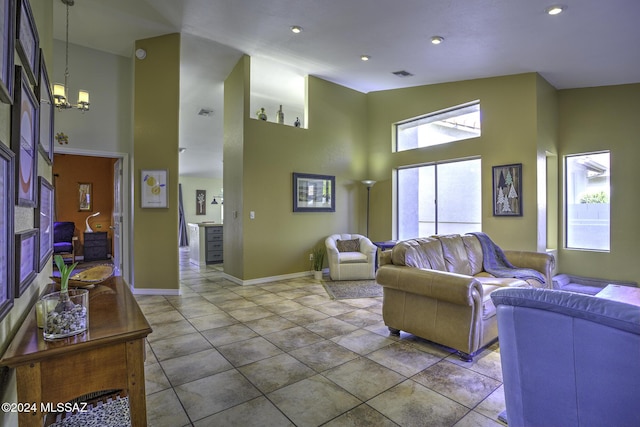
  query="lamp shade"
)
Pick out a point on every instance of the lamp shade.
point(83, 97)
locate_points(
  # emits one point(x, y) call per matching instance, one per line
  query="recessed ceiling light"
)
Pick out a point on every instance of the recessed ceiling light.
point(296, 29)
point(555, 10)
point(437, 39)
point(365, 57)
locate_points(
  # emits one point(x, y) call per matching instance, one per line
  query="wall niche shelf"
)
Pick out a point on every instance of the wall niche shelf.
point(274, 84)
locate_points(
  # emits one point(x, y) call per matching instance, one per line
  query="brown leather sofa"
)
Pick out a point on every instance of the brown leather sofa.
point(436, 288)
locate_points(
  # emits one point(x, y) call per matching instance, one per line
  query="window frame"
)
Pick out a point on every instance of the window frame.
point(434, 115)
point(566, 159)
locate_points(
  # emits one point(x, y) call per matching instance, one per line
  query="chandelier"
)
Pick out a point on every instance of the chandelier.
point(60, 91)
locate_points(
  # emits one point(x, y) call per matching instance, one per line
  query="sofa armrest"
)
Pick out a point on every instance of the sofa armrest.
point(440, 285)
point(539, 261)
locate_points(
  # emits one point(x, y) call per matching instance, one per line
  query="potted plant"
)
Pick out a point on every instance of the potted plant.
point(317, 262)
point(66, 311)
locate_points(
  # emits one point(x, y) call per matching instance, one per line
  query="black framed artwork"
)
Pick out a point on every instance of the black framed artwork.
point(507, 190)
point(7, 249)
point(45, 124)
point(27, 41)
point(7, 43)
point(313, 193)
point(26, 253)
point(44, 221)
point(24, 139)
point(201, 202)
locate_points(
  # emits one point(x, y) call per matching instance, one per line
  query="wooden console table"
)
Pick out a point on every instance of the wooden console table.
point(109, 356)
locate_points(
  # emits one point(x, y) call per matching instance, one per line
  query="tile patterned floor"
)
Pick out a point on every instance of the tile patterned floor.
point(285, 354)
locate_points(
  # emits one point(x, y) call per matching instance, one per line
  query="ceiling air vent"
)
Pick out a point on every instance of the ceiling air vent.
point(402, 73)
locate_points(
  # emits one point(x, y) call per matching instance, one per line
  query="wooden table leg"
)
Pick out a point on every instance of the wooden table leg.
point(29, 388)
point(137, 394)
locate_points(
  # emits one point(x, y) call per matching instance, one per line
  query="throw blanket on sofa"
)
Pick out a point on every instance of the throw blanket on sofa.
point(496, 263)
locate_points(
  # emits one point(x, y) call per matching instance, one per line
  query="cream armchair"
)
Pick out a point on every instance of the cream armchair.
point(351, 257)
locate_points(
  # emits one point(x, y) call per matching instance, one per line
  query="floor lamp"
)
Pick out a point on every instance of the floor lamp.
point(368, 183)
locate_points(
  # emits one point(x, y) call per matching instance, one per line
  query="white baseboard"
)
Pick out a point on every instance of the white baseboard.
point(269, 279)
point(152, 291)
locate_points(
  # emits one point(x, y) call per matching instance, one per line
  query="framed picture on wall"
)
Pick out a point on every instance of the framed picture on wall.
point(45, 97)
point(313, 193)
point(26, 259)
point(201, 202)
point(7, 248)
point(507, 190)
point(44, 221)
point(153, 188)
point(24, 139)
point(27, 41)
point(85, 197)
point(8, 36)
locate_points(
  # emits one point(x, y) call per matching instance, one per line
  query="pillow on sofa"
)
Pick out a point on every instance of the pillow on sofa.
point(348, 245)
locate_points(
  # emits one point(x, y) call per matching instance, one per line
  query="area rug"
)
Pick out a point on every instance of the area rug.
point(349, 289)
point(113, 412)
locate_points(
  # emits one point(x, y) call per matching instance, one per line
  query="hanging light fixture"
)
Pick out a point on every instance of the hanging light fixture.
point(60, 91)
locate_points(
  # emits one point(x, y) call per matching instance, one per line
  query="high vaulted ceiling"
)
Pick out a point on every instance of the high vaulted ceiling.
point(592, 43)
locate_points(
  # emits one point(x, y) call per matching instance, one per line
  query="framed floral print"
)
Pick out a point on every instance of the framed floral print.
point(44, 221)
point(27, 40)
point(26, 252)
point(45, 124)
point(7, 176)
point(7, 43)
point(24, 139)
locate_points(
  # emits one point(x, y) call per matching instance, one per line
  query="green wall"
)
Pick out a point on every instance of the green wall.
point(278, 241)
point(156, 125)
point(606, 118)
point(510, 129)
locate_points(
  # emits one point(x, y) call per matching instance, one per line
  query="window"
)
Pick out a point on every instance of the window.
point(455, 124)
point(587, 201)
point(443, 198)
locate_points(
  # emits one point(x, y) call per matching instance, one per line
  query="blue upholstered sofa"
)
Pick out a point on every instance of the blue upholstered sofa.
point(568, 359)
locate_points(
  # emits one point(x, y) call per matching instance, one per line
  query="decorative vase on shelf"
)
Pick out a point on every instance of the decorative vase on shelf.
point(261, 114)
point(280, 116)
point(297, 122)
point(65, 313)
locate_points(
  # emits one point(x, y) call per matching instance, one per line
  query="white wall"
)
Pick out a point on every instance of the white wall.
point(213, 187)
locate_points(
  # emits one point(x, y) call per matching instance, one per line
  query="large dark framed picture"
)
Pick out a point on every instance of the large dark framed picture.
point(45, 124)
point(7, 266)
point(507, 190)
point(313, 193)
point(7, 43)
point(27, 41)
point(24, 140)
point(26, 259)
point(44, 221)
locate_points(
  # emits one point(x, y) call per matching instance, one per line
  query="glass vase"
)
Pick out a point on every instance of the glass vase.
point(65, 313)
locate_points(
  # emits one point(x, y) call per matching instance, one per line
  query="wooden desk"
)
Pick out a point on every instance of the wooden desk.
point(110, 355)
point(628, 294)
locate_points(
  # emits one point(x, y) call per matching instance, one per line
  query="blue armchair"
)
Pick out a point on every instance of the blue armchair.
point(64, 240)
point(568, 359)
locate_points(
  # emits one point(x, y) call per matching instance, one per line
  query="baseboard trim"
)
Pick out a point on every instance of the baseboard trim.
point(154, 291)
point(269, 279)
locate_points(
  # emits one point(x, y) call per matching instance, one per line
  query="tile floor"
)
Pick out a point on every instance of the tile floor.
point(285, 354)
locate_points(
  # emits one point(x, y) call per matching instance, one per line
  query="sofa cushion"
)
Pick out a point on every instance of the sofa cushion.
point(352, 257)
point(510, 282)
point(474, 253)
point(455, 254)
point(488, 308)
point(352, 245)
point(419, 253)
